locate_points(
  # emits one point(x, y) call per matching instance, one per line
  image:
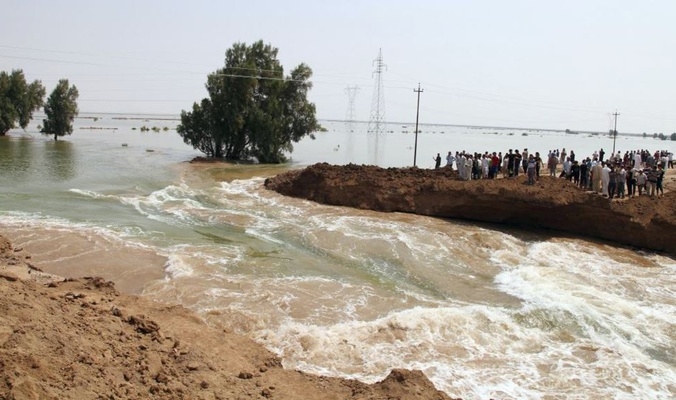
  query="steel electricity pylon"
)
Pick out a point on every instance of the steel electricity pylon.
point(351, 91)
point(377, 119)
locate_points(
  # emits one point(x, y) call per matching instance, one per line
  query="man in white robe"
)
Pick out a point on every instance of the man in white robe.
point(468, 167)
point(597, 172)
point(567, 165)
point(637, 160)
point(605, 179)
point(460, 165)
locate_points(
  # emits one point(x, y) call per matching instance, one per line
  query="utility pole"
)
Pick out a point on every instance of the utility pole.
point(615, 132)
point(417, 113)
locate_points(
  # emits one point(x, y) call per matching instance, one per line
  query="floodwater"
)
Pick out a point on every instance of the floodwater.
point(485, 312)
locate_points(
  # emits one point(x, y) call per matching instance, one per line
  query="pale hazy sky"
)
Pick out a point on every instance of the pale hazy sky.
point(531, 63)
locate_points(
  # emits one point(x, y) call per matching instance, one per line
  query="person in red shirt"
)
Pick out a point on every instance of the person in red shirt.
point(495, 164)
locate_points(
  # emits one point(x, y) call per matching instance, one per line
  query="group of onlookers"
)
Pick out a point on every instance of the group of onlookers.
point(638, 171)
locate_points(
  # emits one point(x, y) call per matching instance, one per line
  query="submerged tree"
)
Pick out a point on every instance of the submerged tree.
point(18, 100)
point(61, 109)
point(252, 109)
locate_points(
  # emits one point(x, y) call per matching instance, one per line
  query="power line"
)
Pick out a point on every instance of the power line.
point(88, 54)
point(378, 105)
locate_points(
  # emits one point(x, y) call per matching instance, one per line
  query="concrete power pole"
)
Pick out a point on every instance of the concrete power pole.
point(615, 132)
point(417, 113)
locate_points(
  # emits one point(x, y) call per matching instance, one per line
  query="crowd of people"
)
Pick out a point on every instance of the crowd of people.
point(633, 173)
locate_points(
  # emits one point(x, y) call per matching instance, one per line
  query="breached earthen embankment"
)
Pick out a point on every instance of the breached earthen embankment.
point(552, 203)
point(83, 339)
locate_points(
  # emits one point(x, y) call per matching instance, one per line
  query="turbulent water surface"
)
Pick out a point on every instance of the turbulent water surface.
point(484, 312)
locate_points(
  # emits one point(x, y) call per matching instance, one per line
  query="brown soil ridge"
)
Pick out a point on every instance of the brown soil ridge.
point(83, 339)
point(552, 203)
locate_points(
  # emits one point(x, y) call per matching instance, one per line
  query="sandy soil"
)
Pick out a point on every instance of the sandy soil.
point(83, 339)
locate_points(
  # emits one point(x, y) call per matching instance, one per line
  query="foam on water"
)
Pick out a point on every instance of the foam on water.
point(581, 328)
point(354, 293)
point(92, 194)
point(569, 288)
point(124, 236)
point(175, 205)
point(475, 352)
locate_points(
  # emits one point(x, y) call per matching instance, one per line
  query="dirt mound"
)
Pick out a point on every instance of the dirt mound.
point(82, 339)
point(552, 203)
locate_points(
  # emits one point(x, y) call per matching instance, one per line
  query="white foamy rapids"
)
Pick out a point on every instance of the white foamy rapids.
point(209, 260)
point(57, 238)
point(402, 237)
point(92, 194)
point(248, 199)
point(475, 352)
point(174, 205)
point(34, 221)
point(584, 301)
point(236, 203)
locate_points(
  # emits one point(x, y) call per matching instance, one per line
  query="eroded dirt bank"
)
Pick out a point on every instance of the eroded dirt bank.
point(83, 339)
point(552, 203)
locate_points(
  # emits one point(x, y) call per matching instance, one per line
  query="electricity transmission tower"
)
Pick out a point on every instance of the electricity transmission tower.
point(350, 119)
point(377, 119)
point(351, 95)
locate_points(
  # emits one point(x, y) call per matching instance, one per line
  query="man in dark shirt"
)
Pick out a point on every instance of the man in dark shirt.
point(612, 182)
point(575, 172)
point(517, 162)
point(584, 170)
point(510, 162)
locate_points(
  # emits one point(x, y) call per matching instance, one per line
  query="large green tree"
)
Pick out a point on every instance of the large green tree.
point(18, 100)
point(61, 109)
point(253, 110)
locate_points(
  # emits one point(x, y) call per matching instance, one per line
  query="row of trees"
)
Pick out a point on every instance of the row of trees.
point(661, 136)
point(253, 110)
point(19, 100)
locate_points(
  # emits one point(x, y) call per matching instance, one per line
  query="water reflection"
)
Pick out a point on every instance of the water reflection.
point(60, 158)
point(15, 157)
point(376, 148)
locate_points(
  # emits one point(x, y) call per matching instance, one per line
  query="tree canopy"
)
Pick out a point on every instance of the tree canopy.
point(18, 100)
point(253, 110)
point(61, 109)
